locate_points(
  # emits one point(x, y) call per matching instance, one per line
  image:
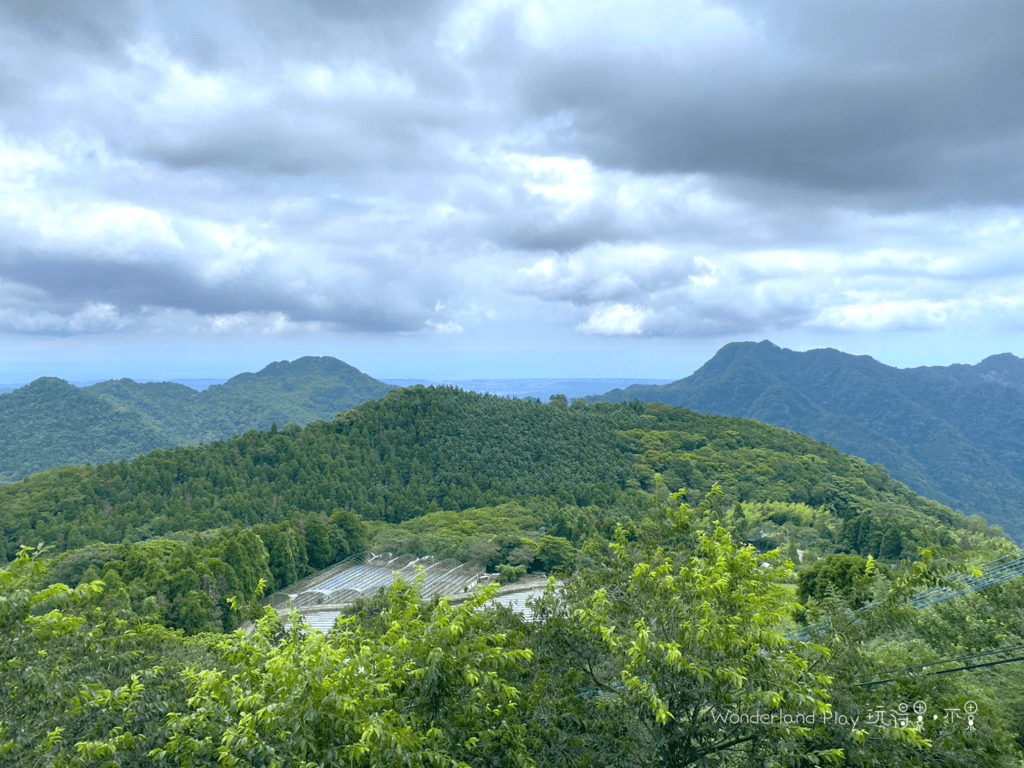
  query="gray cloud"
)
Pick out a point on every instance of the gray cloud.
point(910, 103)
point(666, 169)
point(91, 26)
point(68, 284)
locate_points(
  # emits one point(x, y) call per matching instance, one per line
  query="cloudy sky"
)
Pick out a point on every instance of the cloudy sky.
point(491, 188)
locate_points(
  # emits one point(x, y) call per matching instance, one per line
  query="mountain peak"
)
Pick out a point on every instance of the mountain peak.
point(1005, 369)
point(48, 383)
point(949, 432)
point(1002, 359)
point(121, 418)
point(301, 367)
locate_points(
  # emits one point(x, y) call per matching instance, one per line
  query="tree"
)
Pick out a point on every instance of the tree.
point(81, 683)
point(885, 660)
point(679, 630)
point(849, 577)
point(421, 685)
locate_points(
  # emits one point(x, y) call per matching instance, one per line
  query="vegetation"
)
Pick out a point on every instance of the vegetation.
point(671, 628)
point(668, 649)
point(950, 433)
point(578, 469)
point(51, 423)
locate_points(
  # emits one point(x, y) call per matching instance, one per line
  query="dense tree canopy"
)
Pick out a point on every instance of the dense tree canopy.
point(669, 648)
point(51, 423)
point(951, 433)
point(426, 450)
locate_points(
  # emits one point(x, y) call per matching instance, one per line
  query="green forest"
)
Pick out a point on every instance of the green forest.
point(952, 433)
point(51, 423)
point(707, 574)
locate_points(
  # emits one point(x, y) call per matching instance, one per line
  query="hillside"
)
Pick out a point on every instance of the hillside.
point(420, 450)
point(695, 592)
point(955, 434)
point(51, 423)
point(542, 389)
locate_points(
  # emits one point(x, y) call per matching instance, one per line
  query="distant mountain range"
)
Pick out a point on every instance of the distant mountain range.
point(51, 423)
point(197, 384)
point(952, 433)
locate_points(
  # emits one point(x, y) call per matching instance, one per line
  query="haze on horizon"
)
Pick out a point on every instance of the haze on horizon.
point(499, 189)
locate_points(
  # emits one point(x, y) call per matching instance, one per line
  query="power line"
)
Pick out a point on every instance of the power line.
point(964, 668)
point(995, 572)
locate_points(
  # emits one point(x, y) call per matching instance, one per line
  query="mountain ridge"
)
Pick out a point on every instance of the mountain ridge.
point(50, 423)
point(419, 450)
point(952, 433)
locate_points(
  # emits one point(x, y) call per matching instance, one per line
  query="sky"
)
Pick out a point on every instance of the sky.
point(506, 189)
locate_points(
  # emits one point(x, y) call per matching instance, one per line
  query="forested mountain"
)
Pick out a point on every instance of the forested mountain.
point(508, 483)
point(671, 625)
point(423, 450)
point(955, 434)
point(50, 423)
point(453, 474)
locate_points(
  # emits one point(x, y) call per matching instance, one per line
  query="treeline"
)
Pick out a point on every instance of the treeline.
point(421, 450)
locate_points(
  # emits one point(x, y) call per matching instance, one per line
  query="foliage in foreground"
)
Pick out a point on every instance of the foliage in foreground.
point(651, 655)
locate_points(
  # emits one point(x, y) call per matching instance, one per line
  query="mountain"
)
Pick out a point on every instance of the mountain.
point(416, 452)
point(51, 423)
point(664, 595)
point(953, 433)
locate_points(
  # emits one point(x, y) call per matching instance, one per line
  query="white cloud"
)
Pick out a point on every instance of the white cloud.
point(230, 249)
point(692, 26)
point(915, 314)
point(109, 227)
point(342, 79)
point(246, 323)
point(21, 162)
point(91, 318)
point(43, 208)
point(564, 180)
point(101, 318)
point(166, 88)
point(615, 320)
point(96, 317)
point(604, 273)
point(444, 327)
